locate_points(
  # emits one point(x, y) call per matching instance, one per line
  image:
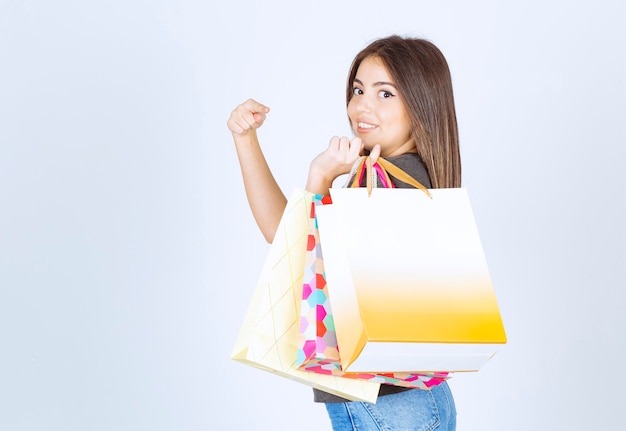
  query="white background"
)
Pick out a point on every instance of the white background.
point(128, 252)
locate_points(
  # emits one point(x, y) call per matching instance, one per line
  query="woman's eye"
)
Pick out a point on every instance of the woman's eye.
point(357, 91)
point(385, 94)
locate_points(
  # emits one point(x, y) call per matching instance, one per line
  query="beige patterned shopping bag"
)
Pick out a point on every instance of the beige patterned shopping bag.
point(268, 338)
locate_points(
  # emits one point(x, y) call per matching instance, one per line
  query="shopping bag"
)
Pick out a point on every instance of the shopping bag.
point(317, 348)
point(268, 338)
point(409, 282)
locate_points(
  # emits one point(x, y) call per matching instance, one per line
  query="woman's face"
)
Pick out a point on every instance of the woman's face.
point(376, 113)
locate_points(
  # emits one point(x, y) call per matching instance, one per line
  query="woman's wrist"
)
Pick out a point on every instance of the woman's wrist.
point(318, 183)
point(245, 139)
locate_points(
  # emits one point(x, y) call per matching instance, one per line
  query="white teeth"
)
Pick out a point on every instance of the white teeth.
point(365, 126)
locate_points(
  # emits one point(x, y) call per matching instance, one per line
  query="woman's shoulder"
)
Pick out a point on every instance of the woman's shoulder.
point(412, 164)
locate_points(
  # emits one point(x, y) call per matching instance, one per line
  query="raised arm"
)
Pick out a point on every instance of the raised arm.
point(266, 199)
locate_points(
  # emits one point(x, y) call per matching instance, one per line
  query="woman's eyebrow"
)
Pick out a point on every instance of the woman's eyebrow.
point(376, 84)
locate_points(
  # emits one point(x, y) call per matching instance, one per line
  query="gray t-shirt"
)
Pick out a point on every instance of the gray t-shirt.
point(413, 165)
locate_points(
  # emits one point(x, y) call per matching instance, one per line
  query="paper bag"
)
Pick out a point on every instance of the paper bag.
point(409, 283)
point(268, 338)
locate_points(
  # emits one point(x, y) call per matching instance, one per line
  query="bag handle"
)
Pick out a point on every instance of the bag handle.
point(385, 168)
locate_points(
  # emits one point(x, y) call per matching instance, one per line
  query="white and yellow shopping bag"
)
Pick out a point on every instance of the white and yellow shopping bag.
point(408, 281)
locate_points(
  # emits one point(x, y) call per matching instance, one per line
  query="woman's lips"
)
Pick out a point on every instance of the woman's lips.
point(362, 126)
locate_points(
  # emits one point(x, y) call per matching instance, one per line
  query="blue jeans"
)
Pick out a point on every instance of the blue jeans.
point(414, 410)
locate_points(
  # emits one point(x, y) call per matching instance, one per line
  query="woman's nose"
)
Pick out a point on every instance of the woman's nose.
point(363, 104)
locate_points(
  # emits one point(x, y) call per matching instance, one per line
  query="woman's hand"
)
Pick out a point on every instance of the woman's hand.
point(336, 160)
point(246, 117)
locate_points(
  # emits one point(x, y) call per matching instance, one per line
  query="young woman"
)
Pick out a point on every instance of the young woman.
point(401, 107)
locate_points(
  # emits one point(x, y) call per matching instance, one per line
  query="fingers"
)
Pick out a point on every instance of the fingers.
point(375, 153)
point(356, 148)
point(343, 144)
point(247, 116)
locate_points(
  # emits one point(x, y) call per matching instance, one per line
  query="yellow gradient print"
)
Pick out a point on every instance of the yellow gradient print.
point(454, 310)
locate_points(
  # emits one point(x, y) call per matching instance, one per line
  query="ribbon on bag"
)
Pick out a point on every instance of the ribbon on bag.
point(382, 170)
point(318, 350)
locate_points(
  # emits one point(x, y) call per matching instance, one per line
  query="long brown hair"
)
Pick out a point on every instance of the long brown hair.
point(421, 74)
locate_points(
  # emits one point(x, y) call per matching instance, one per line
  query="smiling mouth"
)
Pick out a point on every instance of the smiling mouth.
point(365, 126)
